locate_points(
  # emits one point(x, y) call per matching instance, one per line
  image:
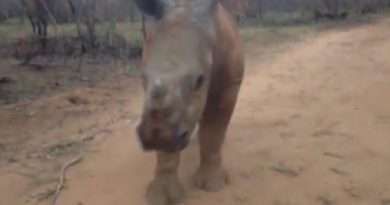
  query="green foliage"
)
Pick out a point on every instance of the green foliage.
point(287, 18)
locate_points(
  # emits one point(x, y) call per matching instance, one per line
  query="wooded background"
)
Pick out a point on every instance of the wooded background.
point(123, 10)
point(87, 15)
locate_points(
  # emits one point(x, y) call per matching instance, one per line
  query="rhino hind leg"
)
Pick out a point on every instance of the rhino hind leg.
point(211, 175)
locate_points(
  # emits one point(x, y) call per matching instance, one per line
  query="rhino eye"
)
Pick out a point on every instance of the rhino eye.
point(199, 82)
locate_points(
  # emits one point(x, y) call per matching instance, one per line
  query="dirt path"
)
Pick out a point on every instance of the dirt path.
point(312, 127)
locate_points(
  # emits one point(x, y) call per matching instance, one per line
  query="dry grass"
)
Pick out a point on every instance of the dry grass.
point(46, 76)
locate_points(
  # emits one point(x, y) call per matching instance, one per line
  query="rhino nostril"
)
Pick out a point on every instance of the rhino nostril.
point(184, 135)
point(182, 140)
point(138, 130)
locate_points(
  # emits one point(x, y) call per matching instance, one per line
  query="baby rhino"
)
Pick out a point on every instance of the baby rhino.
point(192, 67)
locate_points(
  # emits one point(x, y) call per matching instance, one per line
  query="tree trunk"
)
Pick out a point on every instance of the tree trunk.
point(143, 26)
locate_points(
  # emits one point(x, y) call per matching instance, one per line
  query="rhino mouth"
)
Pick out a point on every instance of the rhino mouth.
point(178, 143)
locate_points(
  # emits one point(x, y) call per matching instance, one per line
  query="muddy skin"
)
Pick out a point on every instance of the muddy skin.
point(192, 71)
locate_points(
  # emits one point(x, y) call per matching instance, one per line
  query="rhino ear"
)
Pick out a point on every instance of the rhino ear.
point(151, 7)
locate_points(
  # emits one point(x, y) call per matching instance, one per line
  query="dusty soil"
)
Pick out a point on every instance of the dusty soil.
point(312, 126)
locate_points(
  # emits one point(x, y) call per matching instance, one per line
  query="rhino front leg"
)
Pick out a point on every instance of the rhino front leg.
point(165, 188)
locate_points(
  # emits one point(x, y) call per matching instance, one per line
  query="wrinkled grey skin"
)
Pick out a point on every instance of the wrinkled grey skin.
point(192, 68)
point(176, 80)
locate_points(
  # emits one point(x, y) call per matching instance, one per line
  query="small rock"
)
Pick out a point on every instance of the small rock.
point(325, 201)
point(7, 80)
point(76, 100)
point(12, 160)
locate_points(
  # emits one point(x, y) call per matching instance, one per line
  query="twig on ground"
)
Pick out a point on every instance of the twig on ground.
point(94, 134)
point(335, 155)
point(60, 186)
point(285, 171)
point(338, 171)
point(44, 195)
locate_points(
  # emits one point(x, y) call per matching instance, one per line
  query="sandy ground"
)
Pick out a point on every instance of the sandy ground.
point(312, 126)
